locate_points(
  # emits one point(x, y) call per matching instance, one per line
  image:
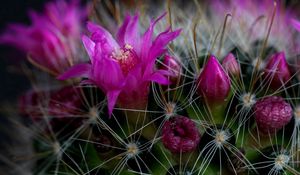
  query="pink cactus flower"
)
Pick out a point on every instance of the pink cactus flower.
point(213, 82)
point(53, 38)
point(123, 68)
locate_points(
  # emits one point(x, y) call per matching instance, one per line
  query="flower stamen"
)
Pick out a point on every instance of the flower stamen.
point(126, 58)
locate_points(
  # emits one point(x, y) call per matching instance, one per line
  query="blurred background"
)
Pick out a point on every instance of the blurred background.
point(12, 82)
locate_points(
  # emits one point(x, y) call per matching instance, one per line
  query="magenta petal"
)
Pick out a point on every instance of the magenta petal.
point(89, 46)
point(159, 78)
point(158, 48)
point(161, 41)
point(122, 30)
point(79, 70)
point(107, 74)
point(99, 34)
point(134, 94)
point(132, 35)
point(296, 24)
point(147, 38)
point(112, 99)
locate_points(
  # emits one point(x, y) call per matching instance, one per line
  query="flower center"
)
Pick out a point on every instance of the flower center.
point(126, 58)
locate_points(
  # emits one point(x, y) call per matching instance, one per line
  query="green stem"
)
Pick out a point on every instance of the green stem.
point(218, 110)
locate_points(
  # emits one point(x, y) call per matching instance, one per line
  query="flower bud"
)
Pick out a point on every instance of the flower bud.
point(277, 70)
point(29, 104)
point(180, 134)
point(213, 82)
point(66, 102)
point(170, 64)
point(231, 66)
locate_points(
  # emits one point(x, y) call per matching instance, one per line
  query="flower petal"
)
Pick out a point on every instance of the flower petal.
point(122, 30)
point(111, 99)
point(89, 46)
point(296, 24)
point(158, 77)
point(161, 41)
point(147, 38)
point(158, 48)
point(132, 35)
point(108, 75)
point(99, 34)
point(79, 70)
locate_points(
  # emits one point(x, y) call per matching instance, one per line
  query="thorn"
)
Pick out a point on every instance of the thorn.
point(223, 33)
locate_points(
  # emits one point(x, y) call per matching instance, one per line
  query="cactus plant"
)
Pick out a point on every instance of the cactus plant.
point(206, 88)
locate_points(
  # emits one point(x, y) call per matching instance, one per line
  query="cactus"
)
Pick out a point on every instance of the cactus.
point(206, 88)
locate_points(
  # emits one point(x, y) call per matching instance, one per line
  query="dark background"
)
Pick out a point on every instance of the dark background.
point(12, 83)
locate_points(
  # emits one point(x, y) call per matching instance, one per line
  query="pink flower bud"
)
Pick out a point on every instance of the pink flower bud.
point(61, 103)
point(180, 134)
point(66, 102)
point(231, 66)
point(277, 70)
point(213, 82)
point(173, 67)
